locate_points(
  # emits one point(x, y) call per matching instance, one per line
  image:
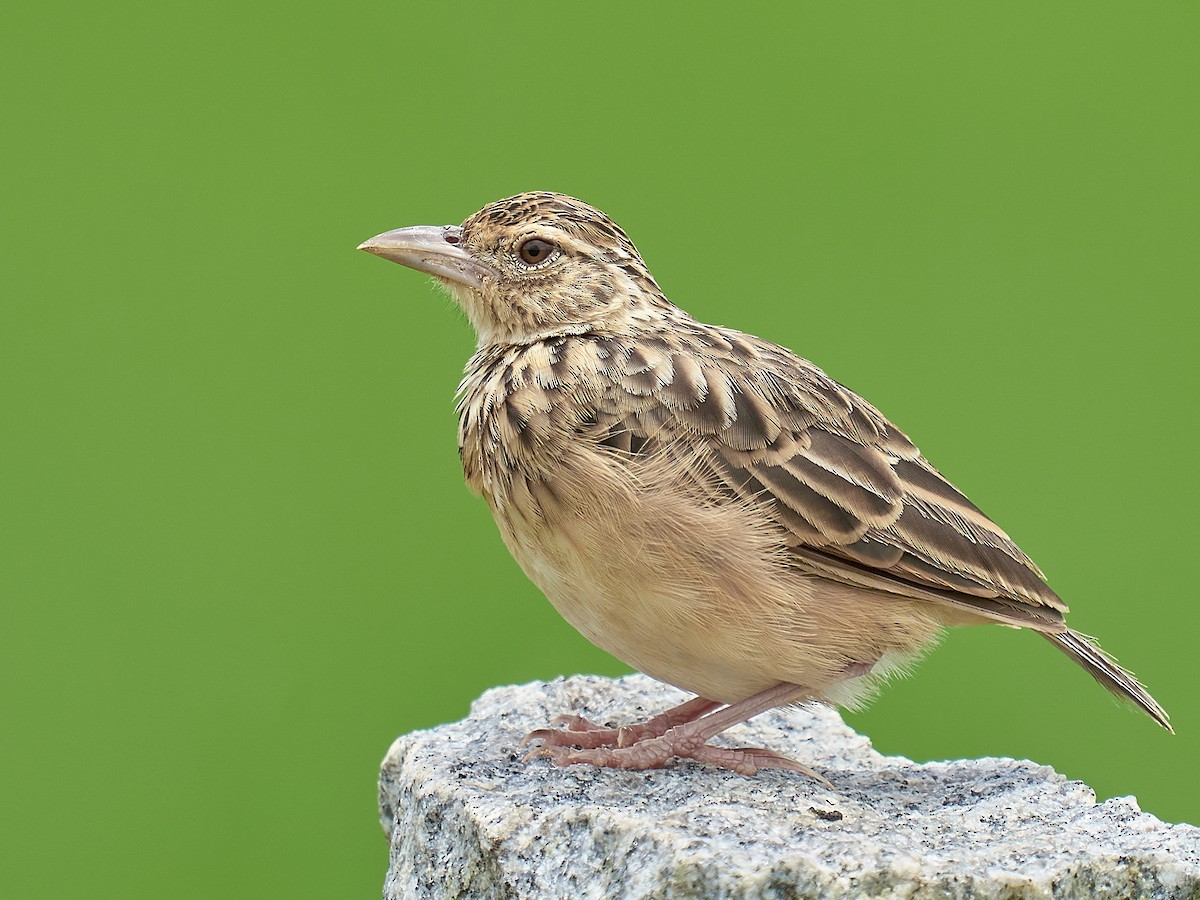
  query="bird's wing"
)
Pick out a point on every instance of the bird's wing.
point(855, 499)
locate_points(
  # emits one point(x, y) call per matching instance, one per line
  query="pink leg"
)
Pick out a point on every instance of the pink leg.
point(689, 739)
point(579, 732)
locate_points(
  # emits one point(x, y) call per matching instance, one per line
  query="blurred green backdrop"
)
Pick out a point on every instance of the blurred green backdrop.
point(237, 555)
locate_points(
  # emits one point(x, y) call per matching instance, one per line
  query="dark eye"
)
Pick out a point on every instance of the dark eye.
point(535, 250)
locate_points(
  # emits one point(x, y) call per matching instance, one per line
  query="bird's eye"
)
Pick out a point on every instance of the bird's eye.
point(535, 251)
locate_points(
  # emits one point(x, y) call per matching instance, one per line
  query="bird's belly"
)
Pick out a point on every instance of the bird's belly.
point(647, 623)
point(696, 595)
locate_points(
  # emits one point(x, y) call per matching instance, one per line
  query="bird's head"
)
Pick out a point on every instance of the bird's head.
point(529, 266)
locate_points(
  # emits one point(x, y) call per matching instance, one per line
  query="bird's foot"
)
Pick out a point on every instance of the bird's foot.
point(594, 736)
point(656, 752)
point(683, 731)
point(581, 732)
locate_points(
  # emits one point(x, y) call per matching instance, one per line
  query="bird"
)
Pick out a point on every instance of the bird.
point(701, 503)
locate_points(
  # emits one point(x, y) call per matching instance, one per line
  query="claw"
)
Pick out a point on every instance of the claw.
point(769, 759)
point(577, 723)
point(537, 752)
point(538, 734)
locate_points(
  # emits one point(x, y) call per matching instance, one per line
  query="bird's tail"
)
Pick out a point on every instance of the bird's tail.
point(1105, 670)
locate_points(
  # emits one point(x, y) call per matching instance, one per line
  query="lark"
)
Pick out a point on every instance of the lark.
point(703, 504)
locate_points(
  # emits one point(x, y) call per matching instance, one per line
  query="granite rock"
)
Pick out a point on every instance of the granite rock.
point(467, 818)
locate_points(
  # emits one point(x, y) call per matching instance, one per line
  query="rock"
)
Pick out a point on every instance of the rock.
point(467, 818)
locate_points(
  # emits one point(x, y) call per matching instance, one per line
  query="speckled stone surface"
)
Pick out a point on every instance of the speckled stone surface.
point(467, 818)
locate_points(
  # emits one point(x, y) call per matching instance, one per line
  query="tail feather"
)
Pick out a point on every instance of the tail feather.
point(1105, 670)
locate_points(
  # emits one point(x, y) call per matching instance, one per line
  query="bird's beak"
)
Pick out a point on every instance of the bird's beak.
point(435, 249)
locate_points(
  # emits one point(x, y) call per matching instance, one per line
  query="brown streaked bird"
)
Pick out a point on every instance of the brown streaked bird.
point(703, 504)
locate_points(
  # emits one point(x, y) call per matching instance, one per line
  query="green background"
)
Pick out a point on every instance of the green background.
point(237, 557)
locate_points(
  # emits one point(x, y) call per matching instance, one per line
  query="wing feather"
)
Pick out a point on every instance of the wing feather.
point(852, 495)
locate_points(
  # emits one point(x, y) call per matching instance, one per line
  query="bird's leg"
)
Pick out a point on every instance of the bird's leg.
point(580, 732)
point(690, 740)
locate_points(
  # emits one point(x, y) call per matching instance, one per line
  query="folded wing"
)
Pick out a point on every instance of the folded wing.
point(854, 498)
